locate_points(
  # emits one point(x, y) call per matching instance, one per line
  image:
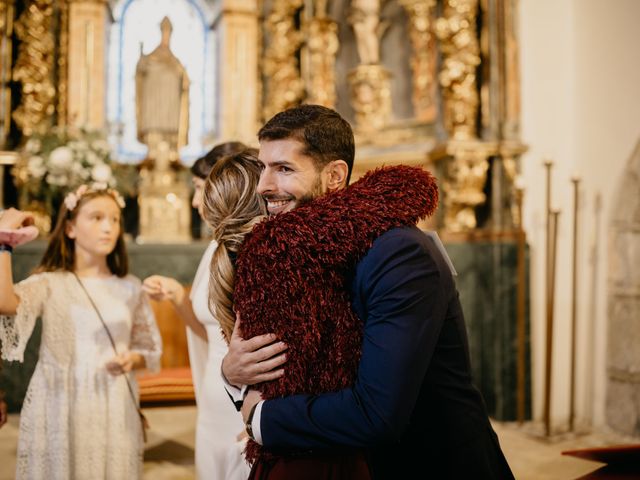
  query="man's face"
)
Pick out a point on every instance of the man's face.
point(289, 178)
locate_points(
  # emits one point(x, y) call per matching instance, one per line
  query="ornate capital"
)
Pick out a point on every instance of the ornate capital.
point(465, 165)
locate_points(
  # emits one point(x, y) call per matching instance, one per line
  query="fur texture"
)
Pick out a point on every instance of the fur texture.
point(293, 276)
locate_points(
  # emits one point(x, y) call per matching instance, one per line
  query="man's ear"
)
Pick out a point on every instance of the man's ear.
point(336, 171)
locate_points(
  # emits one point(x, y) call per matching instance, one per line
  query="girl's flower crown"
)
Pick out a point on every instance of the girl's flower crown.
point(72, 198)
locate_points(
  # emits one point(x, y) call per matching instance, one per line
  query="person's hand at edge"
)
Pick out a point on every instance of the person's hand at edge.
point(12, 219)
point(3, 410)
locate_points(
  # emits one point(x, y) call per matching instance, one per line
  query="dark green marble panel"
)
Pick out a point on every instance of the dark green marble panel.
point(486, 281)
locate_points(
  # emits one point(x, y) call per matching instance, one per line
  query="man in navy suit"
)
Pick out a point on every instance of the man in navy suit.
point(412, 406)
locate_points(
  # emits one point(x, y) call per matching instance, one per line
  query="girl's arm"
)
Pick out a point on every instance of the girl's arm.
point(165, 288)
point(8, 299)
point(11, 219)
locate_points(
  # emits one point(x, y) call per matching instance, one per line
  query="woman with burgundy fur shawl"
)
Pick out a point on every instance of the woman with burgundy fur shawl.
point(292, 280)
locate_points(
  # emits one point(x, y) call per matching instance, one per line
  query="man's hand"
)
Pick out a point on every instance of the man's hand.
point(252, 398)
point(254, 360)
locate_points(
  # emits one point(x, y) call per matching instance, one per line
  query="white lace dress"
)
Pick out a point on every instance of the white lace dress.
point(77, 420)
point(219, 453)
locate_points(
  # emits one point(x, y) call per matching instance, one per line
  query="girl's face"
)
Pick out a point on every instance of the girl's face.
point(96, 227)
point(198, 192)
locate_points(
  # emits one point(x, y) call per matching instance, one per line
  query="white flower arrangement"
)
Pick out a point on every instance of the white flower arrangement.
point(60, 160)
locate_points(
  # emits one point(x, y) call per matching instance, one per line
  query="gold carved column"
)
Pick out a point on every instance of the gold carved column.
point(7, 13)
point(284, 87)
point(86, 88)
point(319, 56)
point(423, 57)
point(460, 59)
point(464, 158)
point(34, 67)
point(237, 34)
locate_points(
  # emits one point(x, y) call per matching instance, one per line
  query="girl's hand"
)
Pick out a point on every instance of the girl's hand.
point(161, 288)
point(124, 363)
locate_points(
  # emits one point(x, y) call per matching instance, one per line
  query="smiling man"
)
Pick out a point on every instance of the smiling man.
point(301, 162)
point(412, 406)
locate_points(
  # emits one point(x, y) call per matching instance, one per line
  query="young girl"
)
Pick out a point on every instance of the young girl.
point(80, 417)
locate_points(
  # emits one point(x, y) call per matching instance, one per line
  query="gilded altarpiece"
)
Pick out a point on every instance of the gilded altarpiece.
point(433, 83)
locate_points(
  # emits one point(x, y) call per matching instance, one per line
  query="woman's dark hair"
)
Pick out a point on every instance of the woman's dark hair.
point(202, 166)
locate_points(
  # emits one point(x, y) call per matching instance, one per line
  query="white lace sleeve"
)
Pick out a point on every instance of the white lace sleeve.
point(15, 330)
point(145, 336)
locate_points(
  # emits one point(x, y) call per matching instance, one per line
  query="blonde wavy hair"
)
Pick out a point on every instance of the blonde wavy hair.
point(231, 207)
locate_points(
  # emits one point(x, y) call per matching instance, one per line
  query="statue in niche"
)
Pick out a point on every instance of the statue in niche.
point(365, 19)
point(162, 97)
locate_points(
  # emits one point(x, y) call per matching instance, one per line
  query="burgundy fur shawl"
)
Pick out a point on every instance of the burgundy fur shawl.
point(292, 276)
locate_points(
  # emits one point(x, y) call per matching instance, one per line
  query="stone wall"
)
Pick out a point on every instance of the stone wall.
point(623, 355)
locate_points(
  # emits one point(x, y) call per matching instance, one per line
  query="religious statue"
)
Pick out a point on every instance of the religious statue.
point(162, 113)
point(370, 90)
point(365, 19)
point(162, 97)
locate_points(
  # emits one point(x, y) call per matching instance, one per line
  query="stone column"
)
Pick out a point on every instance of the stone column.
point(236, 26)
point(87, 60)
point(623, 309)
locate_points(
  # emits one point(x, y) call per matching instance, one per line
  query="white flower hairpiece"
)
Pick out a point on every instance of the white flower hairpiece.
point(72, 198)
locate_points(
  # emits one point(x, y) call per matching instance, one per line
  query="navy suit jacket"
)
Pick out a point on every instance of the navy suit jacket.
point(412, 406)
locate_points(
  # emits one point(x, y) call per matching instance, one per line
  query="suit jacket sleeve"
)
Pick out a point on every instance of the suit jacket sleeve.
point(401, 291)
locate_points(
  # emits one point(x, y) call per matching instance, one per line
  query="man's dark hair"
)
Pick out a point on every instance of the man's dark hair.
point(202, 166)
point(326, 136)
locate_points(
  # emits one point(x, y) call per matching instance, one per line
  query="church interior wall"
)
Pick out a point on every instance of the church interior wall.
point(579, 86)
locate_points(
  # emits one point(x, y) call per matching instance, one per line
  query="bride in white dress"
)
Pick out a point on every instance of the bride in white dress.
point(220, 435)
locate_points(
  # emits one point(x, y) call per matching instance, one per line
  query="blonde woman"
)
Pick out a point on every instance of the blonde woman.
point(228, 202)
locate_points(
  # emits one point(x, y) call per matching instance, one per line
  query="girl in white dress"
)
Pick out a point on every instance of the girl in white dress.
point(220, 436)
point(80, 419)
